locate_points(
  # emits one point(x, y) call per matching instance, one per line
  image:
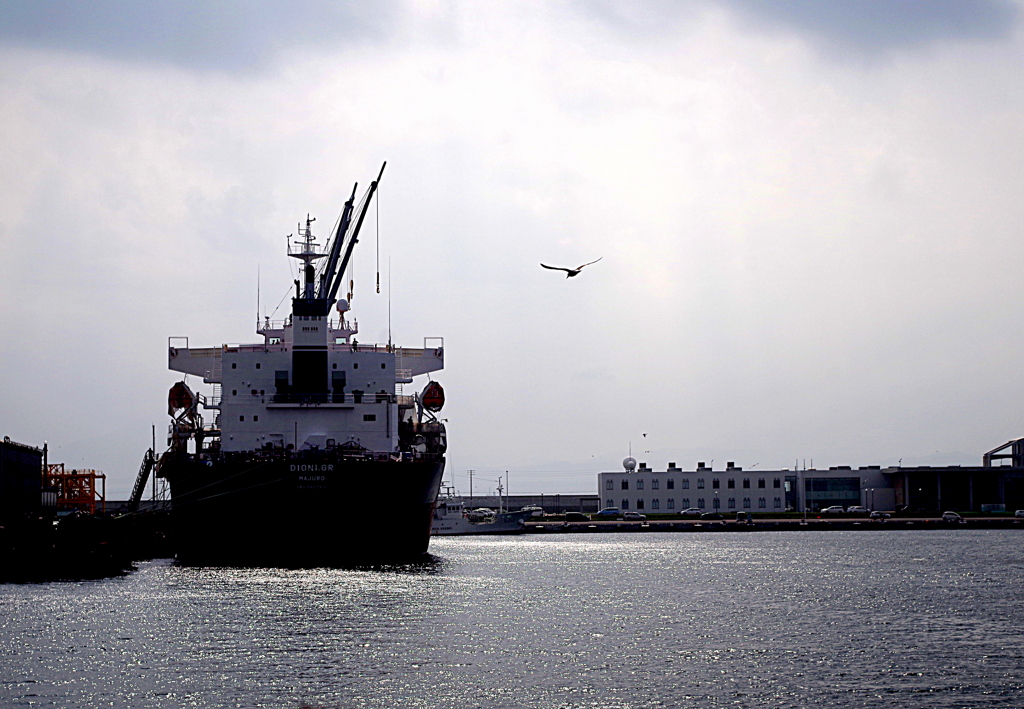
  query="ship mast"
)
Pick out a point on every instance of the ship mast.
point(305, 249)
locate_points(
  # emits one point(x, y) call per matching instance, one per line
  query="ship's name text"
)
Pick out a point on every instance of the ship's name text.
point(326, 467)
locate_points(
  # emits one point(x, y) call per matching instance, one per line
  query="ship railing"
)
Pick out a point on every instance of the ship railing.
point(342, 324)
point(353, 397)
point(368, 348)
point(236, 347)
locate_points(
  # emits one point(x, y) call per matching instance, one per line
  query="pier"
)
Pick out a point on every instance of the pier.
point(773, 525)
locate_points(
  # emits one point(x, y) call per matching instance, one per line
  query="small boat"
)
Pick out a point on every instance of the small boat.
point(452, 518)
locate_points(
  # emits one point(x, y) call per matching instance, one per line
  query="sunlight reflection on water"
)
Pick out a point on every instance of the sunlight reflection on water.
point(789, 619)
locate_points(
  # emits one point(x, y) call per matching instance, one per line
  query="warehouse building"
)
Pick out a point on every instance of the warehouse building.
point(994, 486)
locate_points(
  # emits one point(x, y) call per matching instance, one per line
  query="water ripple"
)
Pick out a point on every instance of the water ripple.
point(792, 619)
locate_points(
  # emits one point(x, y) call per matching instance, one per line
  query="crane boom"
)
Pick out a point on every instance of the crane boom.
point(355, 234)
point(336, 244)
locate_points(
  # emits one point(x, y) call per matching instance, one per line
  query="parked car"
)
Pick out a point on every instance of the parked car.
point(833, 510)
point(634, 517)
point(534, 510)
point(609, 512)
point(691, 511)
point(711, 515)
point(857, 510)
point(1019, 513)
point(576, 517)
point(480, 514)
point(879, 515)
point(950, 517)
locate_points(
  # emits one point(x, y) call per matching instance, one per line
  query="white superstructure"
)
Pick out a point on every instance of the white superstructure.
point(309, 384)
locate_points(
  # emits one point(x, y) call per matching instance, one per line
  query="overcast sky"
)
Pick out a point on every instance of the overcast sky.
point(809, 215)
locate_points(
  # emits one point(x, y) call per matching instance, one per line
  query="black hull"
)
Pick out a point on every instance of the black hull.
point(320, 508)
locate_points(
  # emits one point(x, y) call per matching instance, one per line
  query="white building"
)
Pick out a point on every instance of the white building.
point(734, 489)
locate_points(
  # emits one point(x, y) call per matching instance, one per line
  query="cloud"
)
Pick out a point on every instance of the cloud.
point(880, 25)
point(865, 26)
point(234, 36)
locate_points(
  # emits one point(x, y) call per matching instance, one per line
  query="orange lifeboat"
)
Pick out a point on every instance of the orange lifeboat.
point(432, 397)
point(179, 397)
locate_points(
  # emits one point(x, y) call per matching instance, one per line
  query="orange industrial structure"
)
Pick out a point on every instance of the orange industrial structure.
point(77, 489)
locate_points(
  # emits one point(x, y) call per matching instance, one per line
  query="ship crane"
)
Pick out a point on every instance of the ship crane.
point(345, 237)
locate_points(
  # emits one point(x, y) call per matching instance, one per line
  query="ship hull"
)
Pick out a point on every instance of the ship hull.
point(319, 508)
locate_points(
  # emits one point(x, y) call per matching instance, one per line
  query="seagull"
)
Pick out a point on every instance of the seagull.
point(570, 272)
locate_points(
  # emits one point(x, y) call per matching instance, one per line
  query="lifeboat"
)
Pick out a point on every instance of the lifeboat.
point(179, 397)
point(432, 397)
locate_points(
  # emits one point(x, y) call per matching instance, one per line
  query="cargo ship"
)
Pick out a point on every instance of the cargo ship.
point(279, 462)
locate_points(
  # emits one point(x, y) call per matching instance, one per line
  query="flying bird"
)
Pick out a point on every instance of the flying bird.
point(570, 272)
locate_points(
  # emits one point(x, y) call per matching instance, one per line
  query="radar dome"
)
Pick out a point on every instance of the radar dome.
point(342, 305)
point(629, 464)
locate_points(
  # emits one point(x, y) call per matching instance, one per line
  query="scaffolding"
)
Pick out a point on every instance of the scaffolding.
point(78, 489)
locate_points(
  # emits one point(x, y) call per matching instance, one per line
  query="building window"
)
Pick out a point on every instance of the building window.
point(234, 365)
point(714, 483)
point(686, 484)
point(609, 484)
point(778, 503)
point(654, 504)
point(241, 418)
point(700, 503)
point(700, 483)
point(640, 504)
point(625, 504)
point(355, 365)
point(382, 365)
point(761, 503)
point(255, 418)
point(732, 503)
point(609, 502)
point(369, 417)
point(255, 393)
point(257, 365)
point(625, 484)
point(334, 365)
point(670, 503)
point(640, 484)
point(686, 502)
point(670, 484)
point(777, 483)
point(655, 484)
point(746, 503)
point(234, 392)
point(731, 483)
point(760, 482)
point(822, 492)
point(746, 482)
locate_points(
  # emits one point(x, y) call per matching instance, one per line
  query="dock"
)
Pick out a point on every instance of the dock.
point(772, 525)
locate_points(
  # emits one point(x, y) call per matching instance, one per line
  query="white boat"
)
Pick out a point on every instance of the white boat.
point(452, 518)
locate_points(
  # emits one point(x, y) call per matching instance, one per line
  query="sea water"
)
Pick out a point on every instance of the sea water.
point(768, 619)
